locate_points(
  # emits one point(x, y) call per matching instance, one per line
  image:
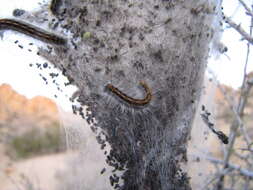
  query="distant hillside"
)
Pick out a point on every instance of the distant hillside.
point(14, 104)
point(20, 113)
point(28, 127)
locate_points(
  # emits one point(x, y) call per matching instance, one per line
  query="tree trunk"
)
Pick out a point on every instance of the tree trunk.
point(163, 43)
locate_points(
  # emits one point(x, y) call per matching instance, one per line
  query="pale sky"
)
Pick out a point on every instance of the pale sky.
point(15, 69)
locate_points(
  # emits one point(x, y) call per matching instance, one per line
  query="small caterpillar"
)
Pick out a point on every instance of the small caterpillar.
point(30, 30)
point(133, 101)
point(54, 6)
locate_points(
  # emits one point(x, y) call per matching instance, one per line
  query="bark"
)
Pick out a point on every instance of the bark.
point(162, 42)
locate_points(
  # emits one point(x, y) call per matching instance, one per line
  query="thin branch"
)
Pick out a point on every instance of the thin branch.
point(245, 158)
point(239, 29)
point(215, 177)
point(242, 171)
point(249, 12)
point(246, 149)
point(246, 63)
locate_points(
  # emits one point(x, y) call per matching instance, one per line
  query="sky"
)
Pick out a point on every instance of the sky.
point(15, 68)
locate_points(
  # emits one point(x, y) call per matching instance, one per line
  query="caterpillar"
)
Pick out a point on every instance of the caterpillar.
point(30, 30)
point(130, 100)
point(54, 6)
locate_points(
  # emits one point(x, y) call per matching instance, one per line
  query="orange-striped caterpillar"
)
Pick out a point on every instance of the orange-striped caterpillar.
point(11, 24)
point(130, 100)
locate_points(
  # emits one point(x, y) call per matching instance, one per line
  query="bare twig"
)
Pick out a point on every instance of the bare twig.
point(246, 82)
point(215, 177)
point(249, 12)
point(244, 158)
point(246, 149)
point(239, 29)
point(242, 171)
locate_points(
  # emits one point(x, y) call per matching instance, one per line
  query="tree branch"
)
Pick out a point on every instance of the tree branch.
point(215, 177)
point(239, 29)
point(242, 171)
point(249, 12)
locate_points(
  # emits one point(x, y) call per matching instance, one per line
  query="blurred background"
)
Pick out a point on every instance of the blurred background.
point(43, 145)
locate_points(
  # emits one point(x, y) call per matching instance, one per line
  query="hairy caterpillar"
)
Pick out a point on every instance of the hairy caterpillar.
point(130, 100)
point(6, 24)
